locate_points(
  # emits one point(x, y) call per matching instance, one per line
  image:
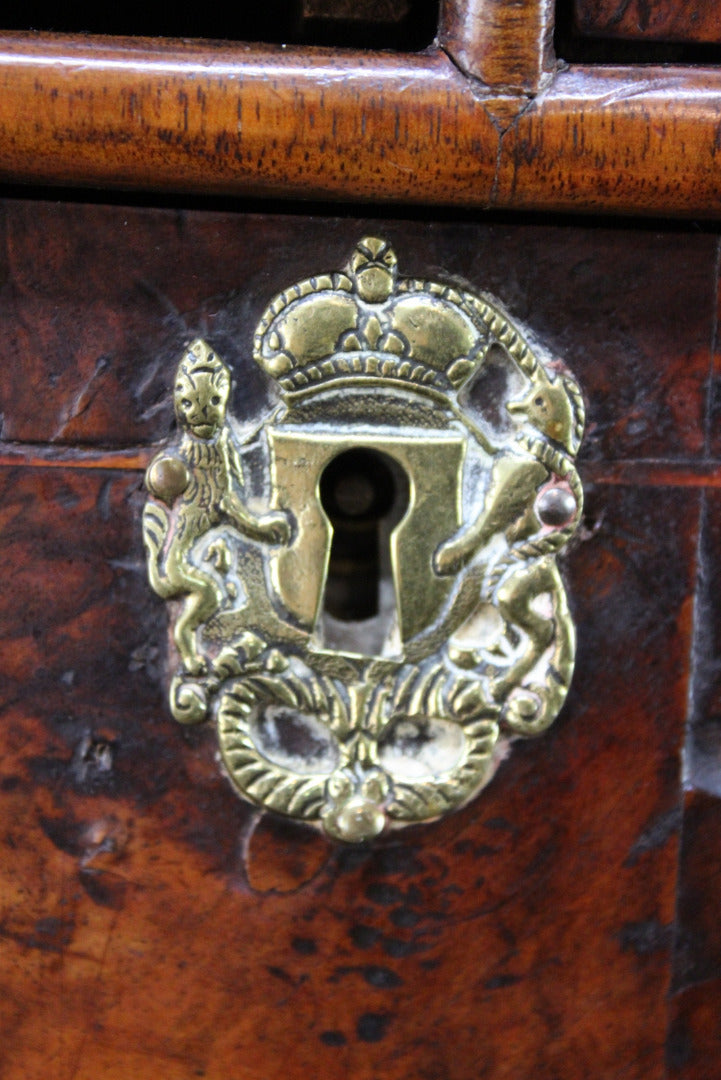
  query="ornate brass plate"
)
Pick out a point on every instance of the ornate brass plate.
point(365, 596)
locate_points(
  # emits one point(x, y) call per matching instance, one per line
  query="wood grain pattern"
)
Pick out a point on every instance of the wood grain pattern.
point(88, 355)
point(151, 923)
point(663, 20)
point(694, 1042)
point(377, 11)
point(694, 1045)
point(600, 138)
point(331, 124)
point(262, 121)
point(703, 750)
point(713, 436)
point(506, 46)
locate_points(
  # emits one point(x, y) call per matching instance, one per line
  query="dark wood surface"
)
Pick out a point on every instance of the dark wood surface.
point(328, 124)
point(694, 1043)
point(99, 320)
point(153, 924)
point(694, 1046)
point(662, 20)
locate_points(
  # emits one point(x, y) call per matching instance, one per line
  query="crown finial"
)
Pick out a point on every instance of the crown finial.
point(366, 322)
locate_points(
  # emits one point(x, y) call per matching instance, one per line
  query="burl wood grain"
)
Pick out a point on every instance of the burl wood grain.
point(153, 924)
point(329, 124)
point(662, 20)
point(694, 1040)
point(97, 301)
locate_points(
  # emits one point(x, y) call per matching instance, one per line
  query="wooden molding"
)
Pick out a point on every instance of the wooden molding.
point(507, 46)
point(328, 124)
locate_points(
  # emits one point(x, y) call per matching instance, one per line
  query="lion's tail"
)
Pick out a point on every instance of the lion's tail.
point(156, 526)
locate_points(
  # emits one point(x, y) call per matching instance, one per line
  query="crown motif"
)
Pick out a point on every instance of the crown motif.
point(366, 323)
point(441, 521)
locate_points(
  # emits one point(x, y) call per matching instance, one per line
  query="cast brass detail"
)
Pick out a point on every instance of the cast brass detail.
point(365, 593)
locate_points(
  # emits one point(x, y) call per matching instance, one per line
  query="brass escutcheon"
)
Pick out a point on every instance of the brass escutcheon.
point(368, 603)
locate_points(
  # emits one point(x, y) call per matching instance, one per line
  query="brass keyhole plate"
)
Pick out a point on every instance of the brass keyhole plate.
point(361, 695)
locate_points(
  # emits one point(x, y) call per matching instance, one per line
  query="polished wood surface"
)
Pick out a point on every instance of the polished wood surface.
point(507, 46)
point(662, 20)
point(320, 124)
point(562, 927)
point(153, 924)
point(87, 354)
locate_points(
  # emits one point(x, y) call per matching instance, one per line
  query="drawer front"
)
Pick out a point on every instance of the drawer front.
point(152, 922)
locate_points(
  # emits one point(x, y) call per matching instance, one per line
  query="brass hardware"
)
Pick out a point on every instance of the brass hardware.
point(367, 596)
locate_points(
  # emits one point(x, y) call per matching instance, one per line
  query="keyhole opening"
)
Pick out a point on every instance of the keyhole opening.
point(365, 494)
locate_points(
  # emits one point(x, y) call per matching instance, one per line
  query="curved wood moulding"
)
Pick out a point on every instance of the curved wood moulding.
point(507, 46)
point(328, 124)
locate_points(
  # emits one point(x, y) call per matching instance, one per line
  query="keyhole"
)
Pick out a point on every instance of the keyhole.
point(365, 495)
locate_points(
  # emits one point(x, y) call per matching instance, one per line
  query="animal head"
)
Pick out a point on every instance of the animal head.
point(202, 386)
point(555, 407)
point(374, 268)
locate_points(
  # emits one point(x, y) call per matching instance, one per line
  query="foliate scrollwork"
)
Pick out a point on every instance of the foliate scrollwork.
point(365, 596)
